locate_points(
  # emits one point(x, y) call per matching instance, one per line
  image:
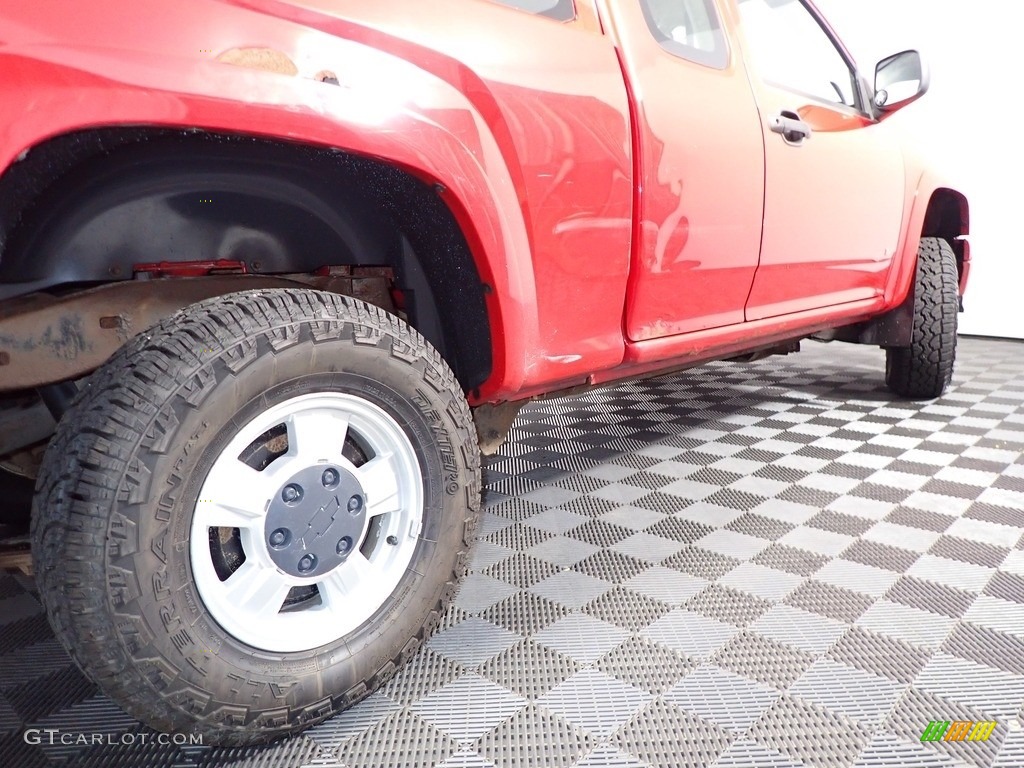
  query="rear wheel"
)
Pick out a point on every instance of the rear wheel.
point(925, 368)
point(255, 513)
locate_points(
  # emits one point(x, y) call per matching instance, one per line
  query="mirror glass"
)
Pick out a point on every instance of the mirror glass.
point(898, 79)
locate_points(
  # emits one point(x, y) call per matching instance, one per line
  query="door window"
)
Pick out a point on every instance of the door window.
point(689, 29)
point(788, 48)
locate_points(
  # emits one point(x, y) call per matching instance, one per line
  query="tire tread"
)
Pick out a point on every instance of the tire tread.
point(925, 369)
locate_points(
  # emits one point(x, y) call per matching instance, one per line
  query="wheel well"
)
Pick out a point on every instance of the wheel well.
point(90, 207)
point(948, 217)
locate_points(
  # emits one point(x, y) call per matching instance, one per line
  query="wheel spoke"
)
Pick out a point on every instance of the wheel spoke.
point(379, 478)
point(315, 436)
point(341, 584)
point(257, 590)
point(235, 496)
point(223, 515)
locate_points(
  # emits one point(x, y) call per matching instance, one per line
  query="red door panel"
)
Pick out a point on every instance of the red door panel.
point(832, 217)
point(833, 201)
point(700, 165)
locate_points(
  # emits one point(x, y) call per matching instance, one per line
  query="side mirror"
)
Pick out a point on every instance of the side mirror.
point(900, 80)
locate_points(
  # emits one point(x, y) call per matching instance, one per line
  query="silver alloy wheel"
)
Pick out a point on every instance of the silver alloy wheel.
point(322, 532)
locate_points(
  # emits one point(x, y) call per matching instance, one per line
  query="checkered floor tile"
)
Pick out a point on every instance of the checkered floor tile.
point(774, 564)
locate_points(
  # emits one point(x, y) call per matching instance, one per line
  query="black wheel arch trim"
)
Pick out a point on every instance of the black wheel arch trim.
point(87, 207)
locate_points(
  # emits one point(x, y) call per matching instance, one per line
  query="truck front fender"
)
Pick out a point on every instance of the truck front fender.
point(933, 208)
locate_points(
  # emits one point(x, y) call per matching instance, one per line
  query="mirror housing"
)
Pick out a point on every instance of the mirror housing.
point(900, 79)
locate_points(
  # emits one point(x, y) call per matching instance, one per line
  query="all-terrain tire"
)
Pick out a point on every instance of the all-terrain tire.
point(924, 370)
point(120, 484)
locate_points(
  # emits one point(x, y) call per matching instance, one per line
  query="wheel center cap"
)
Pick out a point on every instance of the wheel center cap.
point(315, 520)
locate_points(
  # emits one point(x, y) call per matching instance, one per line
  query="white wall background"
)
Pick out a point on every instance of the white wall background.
point(970, 121)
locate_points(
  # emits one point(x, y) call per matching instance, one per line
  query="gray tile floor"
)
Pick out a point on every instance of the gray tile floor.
point(773, 564)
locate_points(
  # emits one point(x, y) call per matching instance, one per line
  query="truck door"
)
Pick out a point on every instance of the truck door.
point(700, 168)
point(834, 179)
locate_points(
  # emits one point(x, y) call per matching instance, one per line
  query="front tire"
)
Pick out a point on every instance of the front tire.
point(924, 370)
point(255, 513)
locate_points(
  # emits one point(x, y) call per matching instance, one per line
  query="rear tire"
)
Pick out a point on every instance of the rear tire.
point(924, 370)
point(176, 565)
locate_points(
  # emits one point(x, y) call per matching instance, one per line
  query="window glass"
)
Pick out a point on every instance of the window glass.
point(789, 48)
point(561, 10)
point(689, 29)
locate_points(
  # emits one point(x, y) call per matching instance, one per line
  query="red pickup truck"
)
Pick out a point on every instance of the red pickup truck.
point(275, 273)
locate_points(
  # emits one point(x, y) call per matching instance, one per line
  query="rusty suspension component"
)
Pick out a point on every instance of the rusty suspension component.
point(46, 338)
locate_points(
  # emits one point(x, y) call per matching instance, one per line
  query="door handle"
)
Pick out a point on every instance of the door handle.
point(791, 127)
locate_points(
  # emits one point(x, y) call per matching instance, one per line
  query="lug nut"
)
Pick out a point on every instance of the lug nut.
point(355, 504)
point(330, 478)
point(280, 538)
point(344, 545)
point(392, 540)
point(292, 493)
point(307, 563)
